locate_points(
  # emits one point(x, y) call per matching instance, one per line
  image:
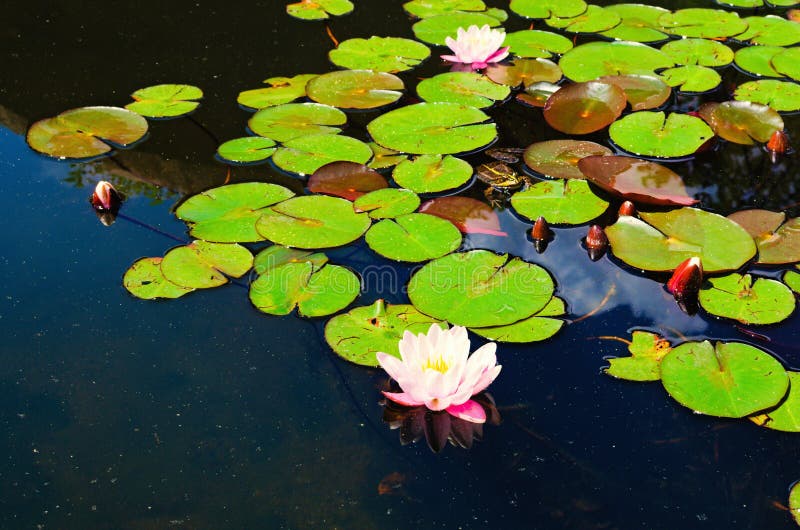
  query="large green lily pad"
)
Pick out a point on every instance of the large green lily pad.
point(548, 8)
point(741, 122)
point(228, 214)
point(145, 280)
point(738, 297)
point(381, 54)
point(432, 173)
point(364, 331)
point(480, 289)
point(434, 30)
point(536, 328)
point(785, 417)
point(702, 22)
point(702, 52)
point(319, 9)
point(595, 59)
point(306, 154)
point(594, 20)
point(583, 108)
point(757, 60)
point(770, 30)
point(675, 236)
point(432, 8)
point(525, 72)
point(387, 203)
point(314, 221)
point(433, 128)
point(355, 89)
point(730, 380)
point(280, 90)
point(691, 79)
point(787, 62)
point(465, 88)
point(652, 134)
point(534, 43)
point(559, 158)
point(647, 349)
point(246, 150)
point(293, 120)
point(202, 264)
point(782, 96)
point(165, 101)
point(639, 23)
point(413, 237)
point(86, 132)
point(560, 202)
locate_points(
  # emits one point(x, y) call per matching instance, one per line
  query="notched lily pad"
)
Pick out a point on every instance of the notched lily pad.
point(642, 91)
point(583, 108)
point(434, 30)
point(432, 8)
point(654, 135)
point(783, 96)
point(293, 120)
point(757, 60)
point(280, 90)
point(702, 22)
point(594, 20)
point(569, 202)
point(246, 150)
point(348, 180)
point(596, 59)
point(539, 327)
point(524, 72)
point(355, 89)
point(559, 158)
point(306, 154)
point(770, 31)
point(785, 417)
point(432, 173)
point(548, 8)
point(413, 237)
point(702, 52)
point(738, 297)
point(778, 242)
point(387, 203)
point(639, 23)
point(276, 255)
point(691, 79)
point(533, 43)
point(319, 9)
point(741, 122)
point(203, 264)
point(381, 54)
point(647, 349)
point(165, 101)
point(145, 280)
point(465, 88)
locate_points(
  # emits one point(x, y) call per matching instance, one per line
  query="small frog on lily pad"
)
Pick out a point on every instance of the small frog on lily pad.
point(502, 180)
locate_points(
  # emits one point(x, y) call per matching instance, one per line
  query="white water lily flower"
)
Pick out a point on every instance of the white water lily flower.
point(437, 371)
point(477, 47)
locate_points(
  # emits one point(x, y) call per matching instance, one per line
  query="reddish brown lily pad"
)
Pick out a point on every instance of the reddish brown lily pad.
point(559, 158)
point(525, 72)
point(778, 242)
point(642, 91)
point(470, 216)
point(583, 108)
point(348, 180)
point(537, 94)
point(636, 180)
point(742, 122)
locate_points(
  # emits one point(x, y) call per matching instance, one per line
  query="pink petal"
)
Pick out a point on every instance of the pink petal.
point(437, 403)
point(497, 56)
point(486, 379)
point(393, 366)
point(451, 58)
point(469, 411)
point(402, 398)
point(479, 65)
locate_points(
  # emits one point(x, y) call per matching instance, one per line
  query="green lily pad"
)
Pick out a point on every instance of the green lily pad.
point(307, 154)
point(642, 91)
point(465, 88)
point(280, 90)
point(313, 221)
point(432, 8)
point(381, 54)
point(433, 128)
point(534, 43)
point(559, 158)
point(583, 108)
point(387, 203)
point(432, 173)
point(413, 237)
point(293, 120)
point(675, 236)
point(383, 158)
point(314, 292)
point(595, 59)
point(743, 4)
point(203, 264)
point(770, 31)
point(757, 60)
point(740, 298)
point(741, 122)
point(348, 180)
point(86, 132)
point(702, 22)
point(560, 202)
point(639, 23)
point(246, 150)
point(702, 52)
point(355, 89)
point(647, 349)
point(792, 279)
point(359, 334)
point(480, 289)
point(145, 280)
point(228, 214)
point(548, 8)
point(782, 96)
point(778, 242)
point(650, 134)
point(782, 3)
point(731, 380)
point(434, 30)
point(794, 502)
point(785, 417)
point(692, 78)
point(469, 215)
point(319, 9)
point(594, 20)
point(275, 256)
point(525, 72)
point(165, 101)
point(758, 223)
point(787, 63)
point(536, 328)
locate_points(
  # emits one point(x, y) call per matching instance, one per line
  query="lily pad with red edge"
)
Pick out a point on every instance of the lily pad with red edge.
point(783, 96)
point(469, 215)
point(434, 30)
point(654, 134)
point(596, 59)
point(539, 327)
point(165, 101)
point(636, 180)
point(727, 379)
point(86, 132)
point(432, 173)
point(387, 203)
point(646, 349)
point(548, 8)
point(280, 90)
point(642, 91)
point(228, 214)
point(534, 43)
point(559, 158)
point(741, 122)
point(785, 417)
point(691, 79)
point(203, 264)
point(702, 22)
point(304, 155)
point(145, 280)
point(661, 241)
point(639, 23)
point(479, 288)
point(525, 72)
point(348, 180)
point(465, 88)
point(276, 255)
point(537, 94)
point(787, 62)
point(293, 120)
point(780, 246)
point(583, 108)
point(758, 222)
point(569, 202)
point(702, 52)
point(319, 9)
point(246, 150)
point(757, 60)
point(432, 8)
point(355, 89)
point(746, 299)
point(413, 237)
point(380, 54)
point(594, 20)
point(770, 30)
point(359, 334)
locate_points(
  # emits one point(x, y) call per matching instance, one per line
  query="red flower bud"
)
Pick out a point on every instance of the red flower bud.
point(685, 284)
point(627, 208)
point(105, 198)
point(778, 144)
point(541, 234)
point(596, 242)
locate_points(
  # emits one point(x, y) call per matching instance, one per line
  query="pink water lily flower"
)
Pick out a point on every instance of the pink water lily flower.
point(477, 47)
point(437, 371)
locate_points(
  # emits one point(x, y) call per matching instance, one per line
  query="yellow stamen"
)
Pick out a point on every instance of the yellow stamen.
point(436, 363)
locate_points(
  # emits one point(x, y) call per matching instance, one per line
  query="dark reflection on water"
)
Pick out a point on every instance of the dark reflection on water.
point(201, 413)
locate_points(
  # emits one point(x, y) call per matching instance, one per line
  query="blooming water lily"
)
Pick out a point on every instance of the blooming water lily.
point(477, 47)
point(436, 370)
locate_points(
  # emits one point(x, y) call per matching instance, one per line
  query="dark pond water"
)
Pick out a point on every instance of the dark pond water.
point(202, 413)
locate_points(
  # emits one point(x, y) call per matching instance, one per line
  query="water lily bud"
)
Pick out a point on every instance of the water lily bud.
point(685, 284)
point(596, 242)
point(793, 15)
point(105, 198)
point(541, 234)
point(777, 145)
point(627, 208)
